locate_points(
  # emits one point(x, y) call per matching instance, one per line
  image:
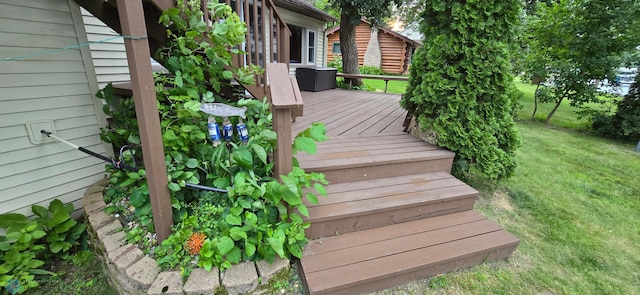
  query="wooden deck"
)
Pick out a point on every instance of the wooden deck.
point(352, 113)
point(393, 213)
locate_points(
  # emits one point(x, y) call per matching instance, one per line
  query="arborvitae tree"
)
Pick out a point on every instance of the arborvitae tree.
point(460, 88)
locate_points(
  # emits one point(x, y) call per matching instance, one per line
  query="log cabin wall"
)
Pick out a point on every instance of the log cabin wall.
point(394, 49)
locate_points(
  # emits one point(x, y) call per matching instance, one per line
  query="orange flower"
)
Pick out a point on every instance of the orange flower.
point(194, 243)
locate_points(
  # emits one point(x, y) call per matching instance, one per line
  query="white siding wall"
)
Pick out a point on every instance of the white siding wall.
point(57, 86)
point(109, 58)
point(311, 24)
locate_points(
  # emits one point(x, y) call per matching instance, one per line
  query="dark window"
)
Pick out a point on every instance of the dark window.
point(295, 43)
point(336, 48)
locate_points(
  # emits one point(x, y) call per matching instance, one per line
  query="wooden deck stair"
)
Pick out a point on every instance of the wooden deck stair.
point(393, 214)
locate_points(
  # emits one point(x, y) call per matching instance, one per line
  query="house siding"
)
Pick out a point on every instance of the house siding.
point(57, 86)
point(310, 23)
point(109, 57)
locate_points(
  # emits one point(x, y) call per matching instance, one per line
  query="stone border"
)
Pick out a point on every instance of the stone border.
point(130, 271)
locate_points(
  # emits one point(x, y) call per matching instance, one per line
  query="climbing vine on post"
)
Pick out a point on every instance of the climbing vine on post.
point(460, 88)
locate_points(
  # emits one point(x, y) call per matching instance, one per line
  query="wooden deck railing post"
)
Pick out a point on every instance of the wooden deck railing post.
point(285, 97)
point(133, 24)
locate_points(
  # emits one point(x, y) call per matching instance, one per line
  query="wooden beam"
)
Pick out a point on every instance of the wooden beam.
point(133, 24)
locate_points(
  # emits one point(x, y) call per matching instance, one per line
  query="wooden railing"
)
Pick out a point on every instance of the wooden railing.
point(287, 104)
point(267, 38)
point(378, 77)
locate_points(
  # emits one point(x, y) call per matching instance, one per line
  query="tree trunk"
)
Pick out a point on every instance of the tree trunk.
point(535, 102)
point(348, 46)
point(554, 110)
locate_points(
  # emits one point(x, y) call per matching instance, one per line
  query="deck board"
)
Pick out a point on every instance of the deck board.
point(366, 260)
point(348, 112)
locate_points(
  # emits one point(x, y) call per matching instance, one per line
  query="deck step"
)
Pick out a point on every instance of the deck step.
point(348, 159)
point(383, 257)
point(367, 204)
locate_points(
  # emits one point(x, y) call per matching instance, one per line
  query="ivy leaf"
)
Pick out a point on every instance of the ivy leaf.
point(225, 244)
point(178, 79)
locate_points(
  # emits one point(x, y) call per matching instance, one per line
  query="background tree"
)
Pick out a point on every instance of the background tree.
point(460, 86)
point(625, 123)
point(574, 43)
point(351, 11)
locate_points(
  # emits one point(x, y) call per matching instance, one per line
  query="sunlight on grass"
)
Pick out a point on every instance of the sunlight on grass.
point(394, 86)
point(574, 203)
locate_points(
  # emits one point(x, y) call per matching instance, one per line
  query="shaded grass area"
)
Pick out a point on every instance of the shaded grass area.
point(87, 277)
point(574, 201)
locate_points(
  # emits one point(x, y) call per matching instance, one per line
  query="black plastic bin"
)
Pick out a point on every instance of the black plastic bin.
point(316, 79)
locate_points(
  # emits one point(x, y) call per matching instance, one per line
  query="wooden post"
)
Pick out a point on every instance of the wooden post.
point(285, 97)
point(133, 24)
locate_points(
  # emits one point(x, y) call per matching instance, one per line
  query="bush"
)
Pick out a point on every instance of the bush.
point(369, 70)
point(625, 123)
point(53, 233)
point(257, 218)
point(460, 86)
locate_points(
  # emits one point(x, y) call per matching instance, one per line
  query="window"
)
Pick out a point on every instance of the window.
point(336, 48)
point(311, 46)
point(302, 45)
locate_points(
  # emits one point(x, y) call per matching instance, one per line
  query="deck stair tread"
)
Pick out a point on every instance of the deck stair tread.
point(344, 158)
point(381, 257)
point(354, 199)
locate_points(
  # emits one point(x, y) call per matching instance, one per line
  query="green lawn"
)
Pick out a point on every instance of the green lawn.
point(573, 201)
point(394, 86)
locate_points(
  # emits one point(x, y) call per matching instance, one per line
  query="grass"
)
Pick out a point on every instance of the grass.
point(393, 87)
point(86, 277)
point(574, 204)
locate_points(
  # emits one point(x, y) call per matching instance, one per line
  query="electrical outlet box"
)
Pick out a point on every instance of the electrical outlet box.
point(35, 136)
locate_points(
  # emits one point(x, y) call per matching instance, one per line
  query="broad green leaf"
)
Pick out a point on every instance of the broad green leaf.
point(260, 152)
point(277, 245)
point(235, 255)
point(133, 139)
point(237, 233)
point(38, 210)
point(225, 244)
point(313, 199)
point(249, 249)
point(59, 217)
point(243, 157)
point(169, 135)
point(137, 198)
point(305, 144)
point(191, 163)
point(55, 247)
point(320, 189)
point(233, 219)
point(303, 210)
point(65, 226)
point(174, 187)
